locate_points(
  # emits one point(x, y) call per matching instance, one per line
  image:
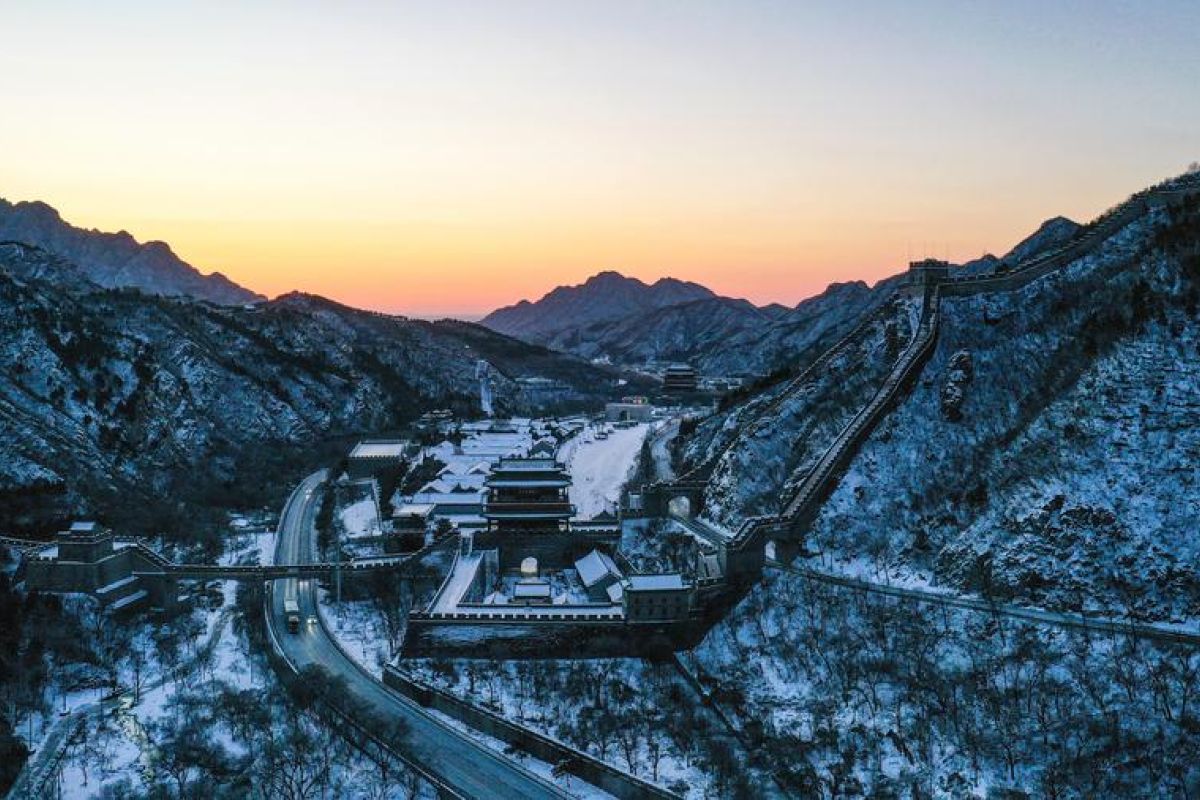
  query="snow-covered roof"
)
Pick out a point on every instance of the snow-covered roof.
point(448, 498)
point(615, 592)
point(465, 468)
point(595, 567)
point(413, 510)
point(379, 448)
point(656, 583)
point(528, 464)
point(454, 485)
point(531, 589)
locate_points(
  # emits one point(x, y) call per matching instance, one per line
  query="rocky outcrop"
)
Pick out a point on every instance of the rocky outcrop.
point(958, 375)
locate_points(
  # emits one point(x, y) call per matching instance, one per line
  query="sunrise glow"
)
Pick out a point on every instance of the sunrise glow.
point(447, 159)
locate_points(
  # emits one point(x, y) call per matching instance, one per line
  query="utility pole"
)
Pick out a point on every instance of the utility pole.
point(337, 569)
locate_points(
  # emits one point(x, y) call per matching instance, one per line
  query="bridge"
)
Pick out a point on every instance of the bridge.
point(325, 569)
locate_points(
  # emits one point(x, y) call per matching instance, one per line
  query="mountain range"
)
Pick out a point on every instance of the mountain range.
point(114, 260)
point(604, 297)
point(136, 406)
point(626, 321)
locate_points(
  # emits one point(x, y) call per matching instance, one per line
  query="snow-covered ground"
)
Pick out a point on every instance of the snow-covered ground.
point(600, 468)
point(361, 518)
point(550, 697)
point(461, 575)
point(358, 629)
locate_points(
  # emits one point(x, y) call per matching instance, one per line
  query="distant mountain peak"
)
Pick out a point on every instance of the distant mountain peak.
point(1050, 233)
point(605, 296)
point(116, 259)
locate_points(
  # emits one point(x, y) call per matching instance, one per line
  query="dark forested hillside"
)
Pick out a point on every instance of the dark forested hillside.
point(114, 399)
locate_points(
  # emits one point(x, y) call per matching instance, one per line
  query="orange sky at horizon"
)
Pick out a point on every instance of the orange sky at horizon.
point(466, 269)
point(415, 159)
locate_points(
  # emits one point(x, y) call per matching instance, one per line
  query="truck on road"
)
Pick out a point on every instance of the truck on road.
point(291, 608)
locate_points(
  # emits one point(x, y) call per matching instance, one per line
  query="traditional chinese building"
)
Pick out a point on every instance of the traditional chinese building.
point(680, 378)
point(528, 512)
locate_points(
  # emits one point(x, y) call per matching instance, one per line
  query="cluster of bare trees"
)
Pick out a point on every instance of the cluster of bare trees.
point(633, 714)
point(211, 739)
point(225, 742)
point(839, 687)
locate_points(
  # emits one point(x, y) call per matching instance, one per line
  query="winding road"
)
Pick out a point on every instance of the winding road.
point(462, 766)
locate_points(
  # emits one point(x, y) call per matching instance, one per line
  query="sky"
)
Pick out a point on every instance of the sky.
point(447, 158)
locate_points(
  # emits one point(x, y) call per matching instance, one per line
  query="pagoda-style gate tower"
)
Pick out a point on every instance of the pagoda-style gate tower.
point(528, 513)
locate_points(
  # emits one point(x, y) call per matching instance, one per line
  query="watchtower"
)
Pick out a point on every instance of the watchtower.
point(929, 272)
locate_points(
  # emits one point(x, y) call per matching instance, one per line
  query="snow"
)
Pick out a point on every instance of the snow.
point(594, 567)
point(115, 585)
point(656, 583)
point(130, 599)
point(531, 589)
point(600, 468)
point(462, 575)
point(360, 518)
point(357, 626)
point(379, 449)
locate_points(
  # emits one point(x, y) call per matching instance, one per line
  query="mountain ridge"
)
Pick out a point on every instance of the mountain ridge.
point(605, 296)
point(116, 399)
point(116, 260)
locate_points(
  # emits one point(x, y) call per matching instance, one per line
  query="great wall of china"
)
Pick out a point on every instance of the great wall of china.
point(742, 555)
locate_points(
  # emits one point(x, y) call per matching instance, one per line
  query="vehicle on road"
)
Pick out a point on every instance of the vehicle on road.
point(291, 608)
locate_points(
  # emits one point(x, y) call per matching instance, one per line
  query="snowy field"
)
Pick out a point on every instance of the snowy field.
point(360, 518)
point(600, 468)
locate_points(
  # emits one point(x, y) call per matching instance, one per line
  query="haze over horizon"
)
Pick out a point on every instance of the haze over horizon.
point(429, 161)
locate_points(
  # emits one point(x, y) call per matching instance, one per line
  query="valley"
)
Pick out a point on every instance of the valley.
point(917, 520)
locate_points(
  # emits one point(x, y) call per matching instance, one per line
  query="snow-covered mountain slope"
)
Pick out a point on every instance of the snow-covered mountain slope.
point(116, 259)
point(112, 396)
point(1048, 452)
point(722, 336)
point(675, 333)
point(779, 443)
